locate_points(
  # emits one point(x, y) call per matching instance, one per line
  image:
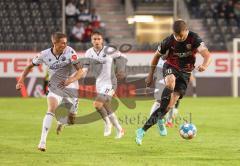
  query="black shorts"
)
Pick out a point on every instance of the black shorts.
point(182, 78)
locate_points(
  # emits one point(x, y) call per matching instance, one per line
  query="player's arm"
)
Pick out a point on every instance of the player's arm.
point(79, 73)
point(162, 50)
point(35, 62)
point(81, 70)
point(120, 63)
point(154, 63)
point(204, 52)
point(202, 49)
point(24, 74)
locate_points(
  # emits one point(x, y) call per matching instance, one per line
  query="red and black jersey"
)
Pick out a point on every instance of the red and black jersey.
point(181, 55)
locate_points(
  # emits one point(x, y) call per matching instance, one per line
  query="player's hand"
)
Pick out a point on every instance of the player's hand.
point(149, 80)
point(64, 83)
point(120, 75)
point(201, 68)
point(19, 85)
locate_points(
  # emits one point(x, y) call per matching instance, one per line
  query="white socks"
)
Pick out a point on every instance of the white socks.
point(47, 122)
point(171, 114)
point(107, 121)
point(155, 106)
point(114, 121)
point(63, 121)
point(104, 115)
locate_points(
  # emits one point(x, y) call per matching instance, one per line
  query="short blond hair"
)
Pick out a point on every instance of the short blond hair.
point(56, 36)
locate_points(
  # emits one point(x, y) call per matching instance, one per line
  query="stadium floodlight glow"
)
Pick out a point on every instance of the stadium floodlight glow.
point(140, 18)
point(235, 67)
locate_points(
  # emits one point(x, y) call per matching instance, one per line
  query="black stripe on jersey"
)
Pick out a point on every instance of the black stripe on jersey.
point(98, 52)
point(55, 55)
point(49, 113)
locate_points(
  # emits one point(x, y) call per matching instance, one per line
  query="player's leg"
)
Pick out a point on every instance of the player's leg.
point(47, 121)
point(194, 84)
point(171, 115)
point(180, 89)
point(161, 111)
point(165, 99)
point(161, 121)
point(99, 106)
point(73, 110)
point(172, 107)
point(157, 95)
point(177, 104)
point(155, 106)
point(71, 104)
point(113, 118)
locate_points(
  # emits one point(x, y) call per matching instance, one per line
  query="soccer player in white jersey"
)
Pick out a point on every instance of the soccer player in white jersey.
point(101, 59)
point(64, 73)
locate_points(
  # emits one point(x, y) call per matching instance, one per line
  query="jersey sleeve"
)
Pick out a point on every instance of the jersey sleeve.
point(117, 54)
point(162, 48)
point(38, 59)
point(198, 43)
point(85, 61)
point(74, 57)
point(113, 52)
point(121, 63)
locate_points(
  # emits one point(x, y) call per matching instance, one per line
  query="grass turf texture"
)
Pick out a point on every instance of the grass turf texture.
point(217, 141)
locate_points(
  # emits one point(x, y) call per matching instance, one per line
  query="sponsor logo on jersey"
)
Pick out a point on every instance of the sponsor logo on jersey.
point(189, 46)
point(57, 65)
point(74, 57)
point(63, 58)
point(183, 54)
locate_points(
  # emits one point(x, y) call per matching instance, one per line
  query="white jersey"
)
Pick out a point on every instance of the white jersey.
point(159, 72)
point(103, 65)
point(59, 68)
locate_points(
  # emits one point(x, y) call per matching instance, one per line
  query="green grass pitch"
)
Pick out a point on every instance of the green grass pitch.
point(217, 141)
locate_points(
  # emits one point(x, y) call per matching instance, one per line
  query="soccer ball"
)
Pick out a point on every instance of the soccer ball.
point(188, 131)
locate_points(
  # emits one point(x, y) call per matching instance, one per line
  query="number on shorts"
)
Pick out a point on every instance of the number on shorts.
point(107, 90)
point(169, 71)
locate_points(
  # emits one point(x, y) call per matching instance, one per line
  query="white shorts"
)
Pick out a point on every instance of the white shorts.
point(72, 102)
point(107, 90)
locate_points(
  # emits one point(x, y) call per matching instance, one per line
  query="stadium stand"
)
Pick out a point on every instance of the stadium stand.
point(163, 7)
point(220, 18)
point(27, 24)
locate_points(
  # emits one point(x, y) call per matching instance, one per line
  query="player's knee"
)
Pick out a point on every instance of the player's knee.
point(98, 105)
point(51, 109)
point(181, 93)
point(170, 81)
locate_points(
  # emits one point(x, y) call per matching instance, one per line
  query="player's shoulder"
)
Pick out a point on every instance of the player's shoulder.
point(89, 52)
point(90, 49)
point(46, 52)
point(109, 49)
point(69, 49)
point(193, 34)
point(168, 39)
point(197, 40)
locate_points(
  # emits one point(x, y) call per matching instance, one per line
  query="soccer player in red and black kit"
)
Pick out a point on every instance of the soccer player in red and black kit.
point(180, 49)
